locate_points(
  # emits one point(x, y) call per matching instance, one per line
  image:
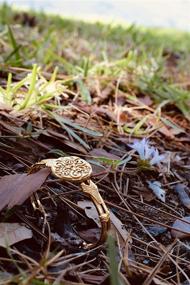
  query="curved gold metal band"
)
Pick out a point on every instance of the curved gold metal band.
point(92, 191)
point(75, 169)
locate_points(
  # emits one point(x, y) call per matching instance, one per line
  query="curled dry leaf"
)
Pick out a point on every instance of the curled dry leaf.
point(158, 281)
point(90, 234)
point(65, 282)
point(117, 227)
point(99, 152)
point(155, 186)
point(90, 210)
point(13, 233)
point(15, 189)
point(181, 189)
point(183, 226)
point(156, 230)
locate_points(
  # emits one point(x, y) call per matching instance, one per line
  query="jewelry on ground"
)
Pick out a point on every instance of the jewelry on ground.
point(75, 169)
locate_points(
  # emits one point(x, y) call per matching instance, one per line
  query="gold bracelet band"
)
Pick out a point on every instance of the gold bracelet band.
point(75, 169)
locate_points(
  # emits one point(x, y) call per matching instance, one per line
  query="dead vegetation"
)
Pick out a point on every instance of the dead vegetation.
point(94, 110)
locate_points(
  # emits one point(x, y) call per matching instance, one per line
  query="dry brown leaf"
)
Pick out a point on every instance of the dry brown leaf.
point(92, 234)
point(92, 278)
point(146, 100)
point(117, 227)
point(117, 230)
point(163, 129)
point(160, 282)
point(14, 129)
point(65, 282)
point(13, 233)
point(15, 189)
point(99, 152)
point(90, 210)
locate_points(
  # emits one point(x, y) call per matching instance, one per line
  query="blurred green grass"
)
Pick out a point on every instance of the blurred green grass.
point(154, 62)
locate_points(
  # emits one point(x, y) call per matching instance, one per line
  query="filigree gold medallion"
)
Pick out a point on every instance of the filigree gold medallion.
point(75, 169)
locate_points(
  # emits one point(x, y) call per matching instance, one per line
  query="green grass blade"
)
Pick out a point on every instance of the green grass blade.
point(69, 130)
point(53, 77)
point(85, 94)
point(86, 67)
point(78, 127)
point(26, 101)
point(75, 136)
point(8, 97)
point(113, 265)
point(12, 54)
point(14, 44)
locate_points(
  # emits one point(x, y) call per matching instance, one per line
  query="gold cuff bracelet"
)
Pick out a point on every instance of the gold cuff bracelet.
point(75, 169)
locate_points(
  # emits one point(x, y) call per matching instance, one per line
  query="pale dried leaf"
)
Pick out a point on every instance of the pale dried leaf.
point(161, 282)
point(182, 191)
point(99, 152)
point(181, 226)
point(117, 227)
point(123, 237)
point(13, 233)
point(72, 283)
point(146, 100)
point(5, 277)
point(90, 210)
point(155, 186)
point(15, 189)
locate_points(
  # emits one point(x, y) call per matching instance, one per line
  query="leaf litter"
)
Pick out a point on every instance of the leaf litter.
point(104, 112)
point(13, 233)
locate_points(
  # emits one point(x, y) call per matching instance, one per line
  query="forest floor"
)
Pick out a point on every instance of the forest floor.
point(118, 97)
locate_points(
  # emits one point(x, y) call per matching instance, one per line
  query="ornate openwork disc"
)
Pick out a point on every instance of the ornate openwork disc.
point(73, 168)
point(69, 168)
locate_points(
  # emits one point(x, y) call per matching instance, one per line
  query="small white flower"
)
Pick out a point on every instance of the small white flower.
point(147, 152)
point(156, 158)
point(139, 146)
point(155, 186)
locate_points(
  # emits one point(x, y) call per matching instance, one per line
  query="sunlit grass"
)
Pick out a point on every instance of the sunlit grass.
point(145, 61)
point(33, 90)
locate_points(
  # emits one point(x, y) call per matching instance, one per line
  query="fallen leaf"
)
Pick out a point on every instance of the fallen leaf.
point(160, 282)
point(90, 211)
point(179, 225)
point(124, 239)
point(174, 128)
point(146, 100)
point(163, 129)
point(99, 152)
point(117, 228)
point(90, 234)
point(15, 189)
point(5, 277)
point(180, 189)
point(106, 92)
point(92, 278)
point(156, 230)
point(13, 233)
point(105, 157)
point(65, 282)
point(15, 130)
